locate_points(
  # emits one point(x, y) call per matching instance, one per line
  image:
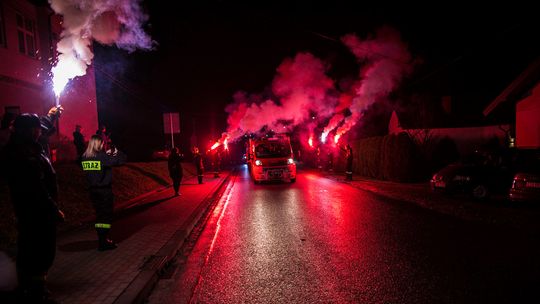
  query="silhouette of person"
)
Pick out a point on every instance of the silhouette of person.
point(198, 161)
point(32, 182)
point(175, 169)
point(78, 141)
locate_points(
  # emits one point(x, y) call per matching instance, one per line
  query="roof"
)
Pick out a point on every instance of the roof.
point(522, 83)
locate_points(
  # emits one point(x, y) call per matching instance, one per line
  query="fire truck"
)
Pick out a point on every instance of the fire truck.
point(271, 158)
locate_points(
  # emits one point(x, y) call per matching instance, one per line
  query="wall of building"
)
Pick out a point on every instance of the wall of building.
point(21, 82)
point(25, 79)
point(528, 120)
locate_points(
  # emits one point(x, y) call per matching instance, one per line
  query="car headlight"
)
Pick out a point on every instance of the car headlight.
point(258, 163)
point(290, 161)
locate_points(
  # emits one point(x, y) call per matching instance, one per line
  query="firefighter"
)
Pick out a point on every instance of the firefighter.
point(175, 169)
point(330, 161)
point(216, 163)
point(349, 164)
point(319, 165)
point(32, 182)
point(198, 161)
point(97, 164)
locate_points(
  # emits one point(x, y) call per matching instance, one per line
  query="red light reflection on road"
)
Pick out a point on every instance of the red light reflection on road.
point(218, 225)
point(221, 213)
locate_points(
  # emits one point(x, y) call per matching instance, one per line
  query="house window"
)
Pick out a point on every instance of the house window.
point(2, 28)
point(26, 34)
point(15, 110)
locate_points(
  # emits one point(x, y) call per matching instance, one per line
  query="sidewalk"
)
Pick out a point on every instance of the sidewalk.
point(148, 238)
point(497, 211)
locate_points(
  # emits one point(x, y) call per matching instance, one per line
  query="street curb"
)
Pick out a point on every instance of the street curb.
point(495, 212)
point(142, 284)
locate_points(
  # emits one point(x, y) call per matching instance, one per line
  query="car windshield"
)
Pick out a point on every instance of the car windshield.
point(276, 149)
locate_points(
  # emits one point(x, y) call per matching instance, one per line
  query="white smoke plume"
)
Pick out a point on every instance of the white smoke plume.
point(106, 21)
point(301, 86)
point(385, 61)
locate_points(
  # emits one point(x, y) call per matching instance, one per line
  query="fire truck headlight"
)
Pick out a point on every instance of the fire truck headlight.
point(290, 161)
point(258, 163)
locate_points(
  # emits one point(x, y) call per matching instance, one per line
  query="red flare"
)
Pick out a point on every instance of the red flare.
point(310, 141)
point(323, 137)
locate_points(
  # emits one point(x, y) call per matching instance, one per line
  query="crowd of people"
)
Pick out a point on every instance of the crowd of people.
point(25, 155)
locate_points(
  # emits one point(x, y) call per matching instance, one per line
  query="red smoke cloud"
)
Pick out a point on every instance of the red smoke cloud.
point(301, 87)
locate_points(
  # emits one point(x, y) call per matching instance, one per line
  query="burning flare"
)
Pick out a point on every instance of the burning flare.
point(222, 141)
point(323, 137)
point(105, 21)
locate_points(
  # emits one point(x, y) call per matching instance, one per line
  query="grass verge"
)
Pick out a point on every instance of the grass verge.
point(129, 181)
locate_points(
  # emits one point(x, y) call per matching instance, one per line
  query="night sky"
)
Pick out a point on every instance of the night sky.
point(208, 50)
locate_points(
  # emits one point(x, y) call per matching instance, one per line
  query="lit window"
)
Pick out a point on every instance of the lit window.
point(26, 35)
point(2, 28)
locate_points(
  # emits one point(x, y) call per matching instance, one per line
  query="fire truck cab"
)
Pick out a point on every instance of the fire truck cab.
point(271, 158)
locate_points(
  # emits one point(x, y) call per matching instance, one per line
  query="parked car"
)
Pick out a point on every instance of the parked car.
point(161, 154)
point(526, 183)
point(477, 175)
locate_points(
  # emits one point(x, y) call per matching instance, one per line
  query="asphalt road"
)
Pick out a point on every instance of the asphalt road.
point(319, 240)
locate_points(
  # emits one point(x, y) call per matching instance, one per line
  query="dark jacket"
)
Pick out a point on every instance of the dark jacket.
point(78, 140)
point(198, 162)
point(349, 159)
point(47, 130)
point(98, 169)
point(32, 181)
point(175, 165)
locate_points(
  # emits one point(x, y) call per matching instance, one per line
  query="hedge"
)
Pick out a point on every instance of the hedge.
point(390, 157)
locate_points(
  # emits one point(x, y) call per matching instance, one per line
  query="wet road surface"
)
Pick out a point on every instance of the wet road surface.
point(319, 240)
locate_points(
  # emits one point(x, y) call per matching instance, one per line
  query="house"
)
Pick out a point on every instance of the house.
point(29, 31)
point(467, 139)
point(524, 92)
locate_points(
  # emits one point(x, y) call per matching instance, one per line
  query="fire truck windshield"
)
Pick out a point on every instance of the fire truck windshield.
point(269, 150)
